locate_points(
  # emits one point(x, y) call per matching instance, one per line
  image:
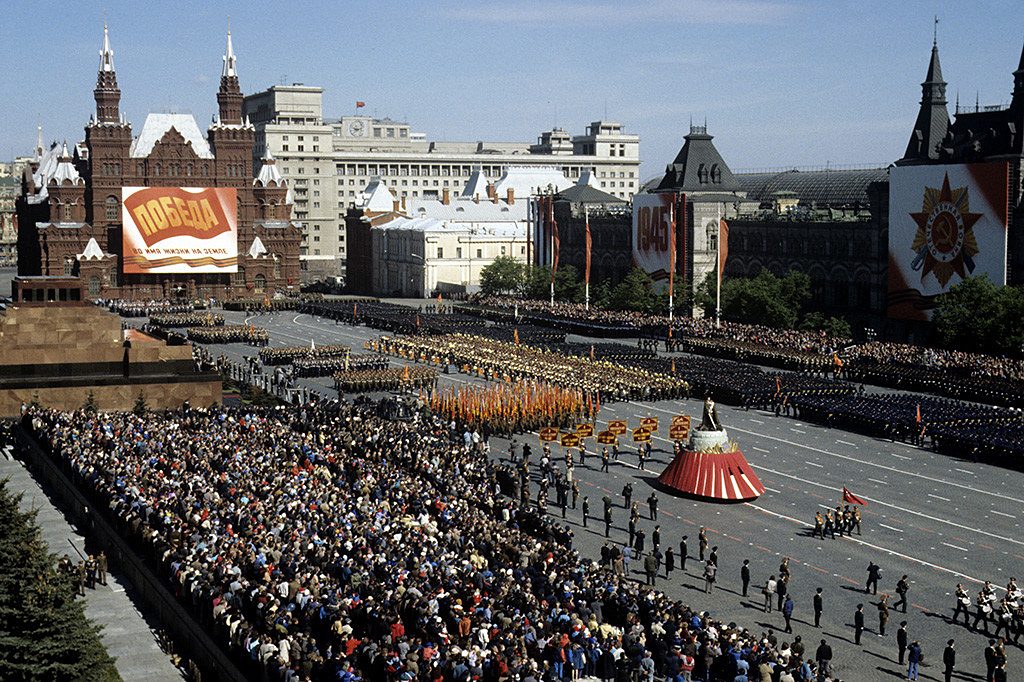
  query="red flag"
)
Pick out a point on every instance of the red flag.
point(589, 244)
point(918, 420)
point(723, 247)
point(554, 237)
point(360, 104)
point(778, 385)
point(515, 336)
point(850, 498)
point(439, 298)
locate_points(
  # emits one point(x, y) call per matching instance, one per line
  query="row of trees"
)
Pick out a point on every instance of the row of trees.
point(44, 634)
point(978, 316)
point(765, 299)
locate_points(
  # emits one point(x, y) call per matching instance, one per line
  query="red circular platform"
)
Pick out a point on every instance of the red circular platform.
point(722, 476)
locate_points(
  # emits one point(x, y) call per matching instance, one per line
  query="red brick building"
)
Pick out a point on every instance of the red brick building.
point(69, 208)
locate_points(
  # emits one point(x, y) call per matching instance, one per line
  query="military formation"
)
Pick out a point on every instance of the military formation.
point(192, 319)
point(385, 379)
point(235, 333)
point(315, 366)
point(286, 355)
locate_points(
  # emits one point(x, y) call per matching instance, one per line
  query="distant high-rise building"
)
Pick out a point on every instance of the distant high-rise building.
point(329, 162)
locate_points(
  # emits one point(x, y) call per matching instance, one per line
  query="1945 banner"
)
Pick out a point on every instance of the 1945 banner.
point(179, 230)
point(946, 223)
point(654, 236)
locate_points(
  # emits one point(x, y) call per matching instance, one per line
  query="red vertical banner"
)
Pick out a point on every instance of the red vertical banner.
point(554, 237)
point(682, 220)
point(723, 247)
point(589, 244)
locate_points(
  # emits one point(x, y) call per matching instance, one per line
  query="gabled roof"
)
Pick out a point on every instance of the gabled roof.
point(525, 180)
point(65, 170)
point(157, 125)
point(476, 186)
point(698, 167)
point(257, 249)
point(376, 197)
point(92, 251)
point(585, 194)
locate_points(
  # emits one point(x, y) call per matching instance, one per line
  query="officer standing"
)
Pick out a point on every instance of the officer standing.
point(883, 614)
point(586, 510)
point(819, 606)
point(902, 587)
point(652, 505)
point(858, 623)
point(702, 541)
point(949, 660)
point(745, 575)
point(902, 641)
point(670, 561)
point(627, 494)
point(682, 553)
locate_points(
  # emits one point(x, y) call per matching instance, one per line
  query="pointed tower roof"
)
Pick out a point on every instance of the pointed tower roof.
point(92, 251)
point(65, 169)
point(268, 173)
point(106, 54)
point(229, 59)
point(698, 167)
point(932, 123)
point(1018, 79)
point(257, 249)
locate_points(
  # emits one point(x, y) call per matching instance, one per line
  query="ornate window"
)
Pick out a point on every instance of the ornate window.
point(111, 209)
point(94, 286)
point(66, 212)
point(112, 277)
point(69, 267)
point(260, 284)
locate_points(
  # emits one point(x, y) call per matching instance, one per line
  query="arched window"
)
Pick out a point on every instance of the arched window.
point(277, 266)
point(158, 168)
point(112, 277)
point(66, 212)
point(111, 208)
point(260, 284)
point(712, 237)
point(94, 286)
point(69, 267)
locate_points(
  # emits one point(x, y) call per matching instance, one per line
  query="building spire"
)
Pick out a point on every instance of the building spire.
point(229, 59)
point(935, 32)
point(933, 118)
point(106, 54)
point(39, 142)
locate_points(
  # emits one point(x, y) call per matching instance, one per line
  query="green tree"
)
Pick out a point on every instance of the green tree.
point(505, 275)
point(978, 316)
point(44, 634)
point(834, 326)
point(764, 299)
point(568, 285)
point(537, 282)
point(635, 292)
point(140, 407)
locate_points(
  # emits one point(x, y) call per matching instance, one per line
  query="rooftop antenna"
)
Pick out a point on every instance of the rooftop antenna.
point(935, 32)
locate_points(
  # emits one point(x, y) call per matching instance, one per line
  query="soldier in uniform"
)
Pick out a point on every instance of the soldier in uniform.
point(883, 614)
point(682, 553)
point(702, 541)
point(605, 459)
point(819, 526)
point(586, 510)
point(101, 567)
point(856, 519)
point(963, 600)
point(902, 587)
point(627, 495)
point(652, 505)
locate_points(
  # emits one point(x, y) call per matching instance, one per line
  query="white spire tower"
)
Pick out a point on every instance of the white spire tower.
point(107, 54)
point(229, 59)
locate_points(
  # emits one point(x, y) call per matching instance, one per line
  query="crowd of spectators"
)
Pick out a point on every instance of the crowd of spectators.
point(321, 542)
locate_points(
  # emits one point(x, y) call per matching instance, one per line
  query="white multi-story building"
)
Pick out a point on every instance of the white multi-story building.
point(328, 162)
point(444, 244)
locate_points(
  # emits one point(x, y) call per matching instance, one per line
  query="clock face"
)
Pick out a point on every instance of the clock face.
point(356, 128)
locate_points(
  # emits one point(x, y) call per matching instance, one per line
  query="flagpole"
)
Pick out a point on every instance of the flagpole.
point(672, 258)
point(718, 269)
point(551, 254)
point(586, 217)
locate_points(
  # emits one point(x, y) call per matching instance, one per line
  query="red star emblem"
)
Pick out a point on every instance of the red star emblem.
point(945, 242)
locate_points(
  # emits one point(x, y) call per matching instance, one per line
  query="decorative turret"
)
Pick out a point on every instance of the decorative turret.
point(1018, 82)
point(229, 97)
point(270, 192)
point(107, 94)
point(933, 119)
point(66, 191)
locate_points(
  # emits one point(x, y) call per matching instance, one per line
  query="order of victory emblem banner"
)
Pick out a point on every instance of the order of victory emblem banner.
point(946, 223)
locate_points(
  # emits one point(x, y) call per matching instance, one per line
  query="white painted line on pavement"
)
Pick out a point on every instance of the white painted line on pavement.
point(937, 497)
point(756, 421)
point(815, 464)
point(962, 549)
point(894, 506)
point(875, 480)
point(778, 492)
point(1009, 516)
point(898, 530)
point(873, 546)
point(966, 471)
point(798, 431)
point(760, 449)
point(846, 442)
point(900, 456)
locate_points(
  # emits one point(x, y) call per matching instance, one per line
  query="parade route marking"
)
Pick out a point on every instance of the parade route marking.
point(899, 507)
point(777, 492)
point(898, 530)
point(965, 471)
point(846, 442)
point(761, 449)
point(900, 456)
point(815, 464)
point(962, 549)
point(877, 547)
point(937, 497)
point(1009, 516)
point(875, 480)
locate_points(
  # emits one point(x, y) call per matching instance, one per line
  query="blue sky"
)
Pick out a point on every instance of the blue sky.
point(781, 82)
